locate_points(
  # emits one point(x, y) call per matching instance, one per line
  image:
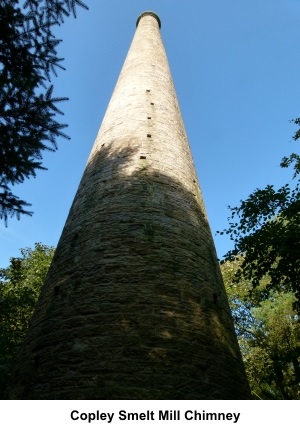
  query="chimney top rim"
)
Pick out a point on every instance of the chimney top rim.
point(148, 12)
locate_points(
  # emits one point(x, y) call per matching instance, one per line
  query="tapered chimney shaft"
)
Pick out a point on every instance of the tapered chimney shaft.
point(134, 306)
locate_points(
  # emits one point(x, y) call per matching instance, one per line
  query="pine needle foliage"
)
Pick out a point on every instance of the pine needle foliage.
point(28, 109)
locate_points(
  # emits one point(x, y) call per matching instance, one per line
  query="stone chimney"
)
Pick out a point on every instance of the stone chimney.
point(134, 305)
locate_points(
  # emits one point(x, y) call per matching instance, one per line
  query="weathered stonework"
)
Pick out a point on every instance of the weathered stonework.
point(134, 306)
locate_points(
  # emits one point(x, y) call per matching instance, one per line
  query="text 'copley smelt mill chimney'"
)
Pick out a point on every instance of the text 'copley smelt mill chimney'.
point(134, 306)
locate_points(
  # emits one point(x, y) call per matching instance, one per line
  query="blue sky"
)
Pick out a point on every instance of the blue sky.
point(235, 65)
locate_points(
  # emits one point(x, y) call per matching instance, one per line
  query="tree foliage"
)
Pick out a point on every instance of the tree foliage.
point(269, 336)
point(265, 229)
point(262, 278)
point(242, 299)
point(28, 108)
point(20, 285)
